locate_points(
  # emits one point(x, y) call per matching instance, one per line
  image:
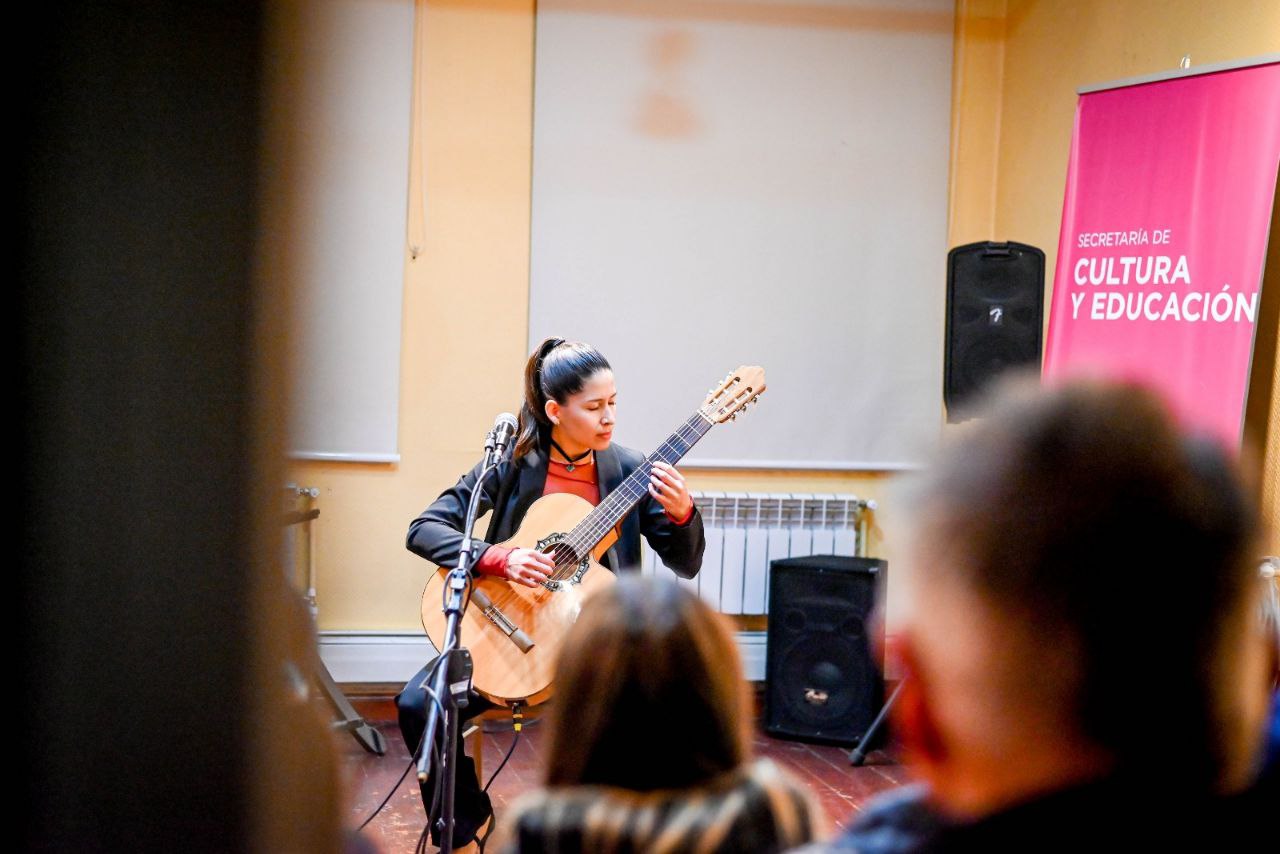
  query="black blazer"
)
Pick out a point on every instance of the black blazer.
point(435, 535)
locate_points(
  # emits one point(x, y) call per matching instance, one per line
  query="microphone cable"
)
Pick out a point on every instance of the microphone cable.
point(413, 760)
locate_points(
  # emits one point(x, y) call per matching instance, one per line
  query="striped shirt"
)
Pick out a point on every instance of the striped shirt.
point(756, 808)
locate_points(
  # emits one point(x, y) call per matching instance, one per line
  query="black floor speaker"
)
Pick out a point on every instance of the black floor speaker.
point(995, 311)
point(822, 683)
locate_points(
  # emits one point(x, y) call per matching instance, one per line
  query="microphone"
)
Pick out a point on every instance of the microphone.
point(504, 427)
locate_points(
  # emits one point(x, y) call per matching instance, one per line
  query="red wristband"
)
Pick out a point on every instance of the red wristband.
point(494, 561)
point(680, 523)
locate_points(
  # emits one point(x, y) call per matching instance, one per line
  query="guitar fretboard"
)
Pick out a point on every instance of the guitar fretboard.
point(600, 521)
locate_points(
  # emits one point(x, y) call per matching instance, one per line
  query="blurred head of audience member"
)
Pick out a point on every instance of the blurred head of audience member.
point(654, 696)
point(650, 736)
point(1079, 604)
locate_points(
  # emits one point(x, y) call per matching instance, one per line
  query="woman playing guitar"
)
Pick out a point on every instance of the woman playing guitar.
point(564, 446)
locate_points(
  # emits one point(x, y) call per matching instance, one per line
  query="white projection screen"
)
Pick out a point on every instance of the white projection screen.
point(724, 183)
point(347, 94)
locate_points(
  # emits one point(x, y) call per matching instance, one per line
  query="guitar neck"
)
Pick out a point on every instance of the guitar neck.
point(617, 504)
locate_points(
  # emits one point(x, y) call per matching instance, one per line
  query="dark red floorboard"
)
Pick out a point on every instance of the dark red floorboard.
point(841, 789)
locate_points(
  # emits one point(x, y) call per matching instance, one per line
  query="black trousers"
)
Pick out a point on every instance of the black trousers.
point(471, 806)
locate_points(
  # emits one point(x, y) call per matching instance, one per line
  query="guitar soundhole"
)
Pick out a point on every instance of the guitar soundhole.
point(564, 555)
point(569, 566)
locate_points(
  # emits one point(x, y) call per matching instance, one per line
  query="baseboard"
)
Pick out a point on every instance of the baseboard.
point(374, 657)
point(392, 657)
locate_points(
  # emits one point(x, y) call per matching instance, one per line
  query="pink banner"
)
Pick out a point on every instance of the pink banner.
point(1164, 234)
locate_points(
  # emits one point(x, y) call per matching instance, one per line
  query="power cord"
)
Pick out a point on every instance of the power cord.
point(517, 725)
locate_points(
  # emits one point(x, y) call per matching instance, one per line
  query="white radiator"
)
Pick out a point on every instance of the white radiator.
point(746, 531)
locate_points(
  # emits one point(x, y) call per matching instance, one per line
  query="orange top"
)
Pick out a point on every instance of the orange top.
point(581, 481)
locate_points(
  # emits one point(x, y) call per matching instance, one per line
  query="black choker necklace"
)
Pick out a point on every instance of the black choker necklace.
point(572, 460)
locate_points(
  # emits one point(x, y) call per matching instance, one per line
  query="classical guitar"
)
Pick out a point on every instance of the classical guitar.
point(515, 632)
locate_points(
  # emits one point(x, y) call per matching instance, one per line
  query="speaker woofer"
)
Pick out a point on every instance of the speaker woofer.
point(823, 684)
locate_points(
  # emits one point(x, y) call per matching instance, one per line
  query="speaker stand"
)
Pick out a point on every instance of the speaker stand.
point(859, 754)
point(348, 718)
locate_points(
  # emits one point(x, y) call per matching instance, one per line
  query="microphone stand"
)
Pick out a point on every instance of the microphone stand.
point(453, 669)
point(859, 753)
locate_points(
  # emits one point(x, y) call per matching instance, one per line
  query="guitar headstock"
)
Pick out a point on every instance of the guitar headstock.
point(735, 393)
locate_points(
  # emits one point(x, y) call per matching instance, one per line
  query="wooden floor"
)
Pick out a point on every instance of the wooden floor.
point(840, 788)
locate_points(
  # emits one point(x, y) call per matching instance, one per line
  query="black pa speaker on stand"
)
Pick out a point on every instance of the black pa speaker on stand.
point(822, 682)
point(995, 313)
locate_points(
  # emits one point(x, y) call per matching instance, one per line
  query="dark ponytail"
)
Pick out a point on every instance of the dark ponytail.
point(557, 369)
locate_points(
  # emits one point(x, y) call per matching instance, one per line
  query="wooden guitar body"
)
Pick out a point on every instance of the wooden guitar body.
point(504, 673)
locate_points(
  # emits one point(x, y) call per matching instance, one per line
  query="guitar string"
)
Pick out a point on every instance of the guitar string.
point(632, 489)
point(577, 540)
point(593, 528)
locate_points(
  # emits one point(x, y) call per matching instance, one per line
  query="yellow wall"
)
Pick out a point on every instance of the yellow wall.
point(1018, 63)
point(1051, 48)
point(977, 77)
point(1262, 422)
point(472, 120)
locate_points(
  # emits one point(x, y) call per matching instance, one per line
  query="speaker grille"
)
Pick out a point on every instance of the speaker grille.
point(995, 311)
point(823, 684)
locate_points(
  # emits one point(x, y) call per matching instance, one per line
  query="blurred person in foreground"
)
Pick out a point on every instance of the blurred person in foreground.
point(1083, 660)
point(650, 738)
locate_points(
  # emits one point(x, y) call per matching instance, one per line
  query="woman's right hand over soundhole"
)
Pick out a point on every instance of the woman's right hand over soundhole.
point(529, 567)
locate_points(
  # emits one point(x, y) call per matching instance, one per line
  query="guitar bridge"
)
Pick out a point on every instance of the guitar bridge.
point(494, 614)
point(499, 619)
